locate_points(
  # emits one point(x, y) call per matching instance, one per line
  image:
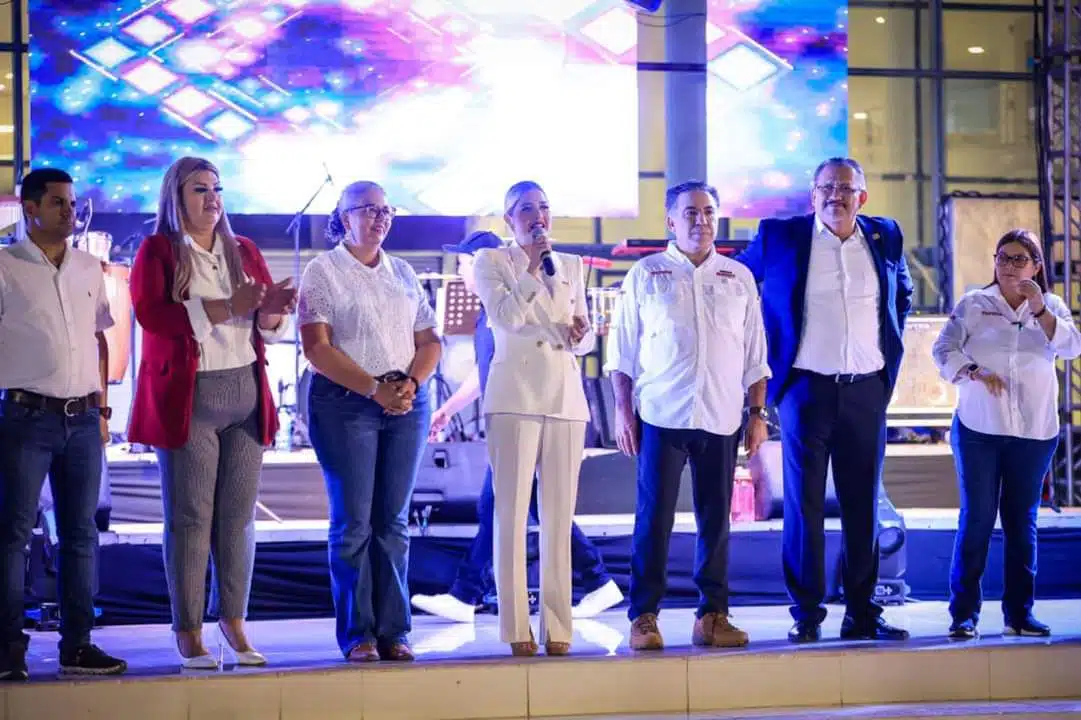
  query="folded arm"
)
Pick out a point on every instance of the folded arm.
point(508, 301)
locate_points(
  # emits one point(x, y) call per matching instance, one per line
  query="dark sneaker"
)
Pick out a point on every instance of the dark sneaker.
point(90, 660)
point(964, 630)
point(1029, 627)
point(13, 661)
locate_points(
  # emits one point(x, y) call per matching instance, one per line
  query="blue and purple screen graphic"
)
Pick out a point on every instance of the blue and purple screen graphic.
point(776, 100)
point(443, 102)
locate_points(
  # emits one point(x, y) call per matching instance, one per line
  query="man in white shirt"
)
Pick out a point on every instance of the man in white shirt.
point(53, 418)
point(835, 294)
point(687, 343)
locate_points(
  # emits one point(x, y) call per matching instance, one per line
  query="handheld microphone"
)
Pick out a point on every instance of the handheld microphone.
point(546, 256)
point(329, 178)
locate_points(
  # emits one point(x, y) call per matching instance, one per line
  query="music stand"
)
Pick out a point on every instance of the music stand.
point(294, 230)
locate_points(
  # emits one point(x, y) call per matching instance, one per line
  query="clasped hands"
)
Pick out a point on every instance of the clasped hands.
point(396, 396)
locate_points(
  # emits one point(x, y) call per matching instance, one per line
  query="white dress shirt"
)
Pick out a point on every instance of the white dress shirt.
point(534, 369)
point(984, 330)
point(373, 312)
point(49, 320)
point(227, 345)
point(691, 338)
point(840, 325)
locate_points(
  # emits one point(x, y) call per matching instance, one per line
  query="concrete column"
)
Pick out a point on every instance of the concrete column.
point(685, 89)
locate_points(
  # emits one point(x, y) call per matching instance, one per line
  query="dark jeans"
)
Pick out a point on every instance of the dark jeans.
point(998, 475)
point(824, 421)
point(369, 462)
point(662, 455)
point(474, 578)
point(33, 444)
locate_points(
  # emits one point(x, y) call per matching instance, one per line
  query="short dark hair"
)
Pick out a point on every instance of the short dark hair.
point(840, 162)
point(36, 183)
point(671, 196)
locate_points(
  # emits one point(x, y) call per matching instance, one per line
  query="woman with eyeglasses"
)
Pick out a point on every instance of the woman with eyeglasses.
point(999, 347)
point(369, 333)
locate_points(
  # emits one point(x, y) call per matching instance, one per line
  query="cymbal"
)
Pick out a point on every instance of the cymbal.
point(437, 276)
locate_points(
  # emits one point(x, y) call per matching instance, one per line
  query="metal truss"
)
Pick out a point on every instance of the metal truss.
point(1058, 81)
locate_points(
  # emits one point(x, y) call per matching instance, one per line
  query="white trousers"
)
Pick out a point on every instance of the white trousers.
point(518, 444)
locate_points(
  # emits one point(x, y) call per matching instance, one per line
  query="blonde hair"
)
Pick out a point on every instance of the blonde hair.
point(170, 223)
point(515, 193)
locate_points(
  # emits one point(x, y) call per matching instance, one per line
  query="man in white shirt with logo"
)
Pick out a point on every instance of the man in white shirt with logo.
point(686, 345)
point(53, 418)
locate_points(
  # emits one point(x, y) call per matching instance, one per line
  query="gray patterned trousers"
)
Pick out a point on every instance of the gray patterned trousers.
point(208, 489)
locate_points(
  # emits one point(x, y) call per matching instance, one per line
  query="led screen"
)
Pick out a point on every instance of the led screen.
point(443, 102)
point(777, 100)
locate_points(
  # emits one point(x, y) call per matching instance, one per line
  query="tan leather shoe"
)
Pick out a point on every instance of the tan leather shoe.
point(645, 635)
point(715, 630)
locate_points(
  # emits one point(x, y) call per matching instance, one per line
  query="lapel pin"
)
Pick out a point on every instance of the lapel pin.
point(876, 236)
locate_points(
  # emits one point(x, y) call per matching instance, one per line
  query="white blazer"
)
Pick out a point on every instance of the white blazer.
point(535, 370)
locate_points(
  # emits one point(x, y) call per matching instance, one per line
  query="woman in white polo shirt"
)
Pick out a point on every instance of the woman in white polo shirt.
point(368, 331)
point(1000, 346)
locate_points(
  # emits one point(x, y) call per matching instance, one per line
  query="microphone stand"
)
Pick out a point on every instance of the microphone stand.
point(294, 230)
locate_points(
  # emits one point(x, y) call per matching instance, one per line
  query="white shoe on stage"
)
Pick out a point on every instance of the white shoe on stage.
point(606, 596)
point(445, 606)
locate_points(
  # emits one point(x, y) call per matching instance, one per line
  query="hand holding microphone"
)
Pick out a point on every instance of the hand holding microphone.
point(540, 253)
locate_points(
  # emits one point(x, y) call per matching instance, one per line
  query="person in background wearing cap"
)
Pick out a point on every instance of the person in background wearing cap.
point(471, 583)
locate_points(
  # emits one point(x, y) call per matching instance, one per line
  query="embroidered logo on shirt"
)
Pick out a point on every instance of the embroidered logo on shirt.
point(660, 272)
point(725, 274)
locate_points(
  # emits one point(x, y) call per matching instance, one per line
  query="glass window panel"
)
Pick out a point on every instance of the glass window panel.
point(882, 132)
point(990, 129)
point(988, 41)
point(897, 199)
point(7, 111)
point(886, 38)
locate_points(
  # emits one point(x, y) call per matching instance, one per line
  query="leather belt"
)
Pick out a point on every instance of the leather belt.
point(848, 378)
point(69, 407)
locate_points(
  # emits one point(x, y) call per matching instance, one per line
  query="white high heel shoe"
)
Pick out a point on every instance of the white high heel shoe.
point(205, 661)
point(246, 658)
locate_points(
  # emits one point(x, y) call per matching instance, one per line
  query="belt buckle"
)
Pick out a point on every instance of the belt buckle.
point(67, 404)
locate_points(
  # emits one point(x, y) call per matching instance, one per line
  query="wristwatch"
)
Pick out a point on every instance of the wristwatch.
point(971, 369)
point(759, 411)
point(106, 412)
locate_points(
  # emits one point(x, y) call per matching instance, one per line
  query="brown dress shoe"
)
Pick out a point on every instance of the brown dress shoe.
point(557, 648)
point(397, 652)
point(645, 635)
point(715, 630)
point(525, 648)
point(364, 652)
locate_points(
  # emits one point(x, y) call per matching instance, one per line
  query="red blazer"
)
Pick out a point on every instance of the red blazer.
point(165, 388)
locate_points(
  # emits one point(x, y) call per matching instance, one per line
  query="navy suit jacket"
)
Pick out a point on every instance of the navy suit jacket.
point(779, 257)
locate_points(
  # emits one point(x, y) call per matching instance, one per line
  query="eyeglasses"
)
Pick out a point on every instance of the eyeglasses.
point(1018, 261)
point(373, 211)
point(831, 188)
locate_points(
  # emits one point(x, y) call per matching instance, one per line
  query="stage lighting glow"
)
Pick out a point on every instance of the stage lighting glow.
point(444, 102)
point(776, 100)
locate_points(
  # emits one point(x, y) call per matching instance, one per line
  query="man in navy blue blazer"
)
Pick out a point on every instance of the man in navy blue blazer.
point(835, 294)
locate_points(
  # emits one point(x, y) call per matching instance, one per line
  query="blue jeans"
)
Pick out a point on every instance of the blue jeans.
point(474, 579)
point(999, 475)
point(370, 461)
point(33, 444)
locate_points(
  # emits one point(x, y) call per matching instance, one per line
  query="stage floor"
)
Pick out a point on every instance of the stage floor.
point(309, 644)
point(614, 525)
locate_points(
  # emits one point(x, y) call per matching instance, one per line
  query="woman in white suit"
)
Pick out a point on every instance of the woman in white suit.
point(536, 412)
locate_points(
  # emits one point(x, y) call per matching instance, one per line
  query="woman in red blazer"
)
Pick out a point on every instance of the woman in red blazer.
point(207, 305)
